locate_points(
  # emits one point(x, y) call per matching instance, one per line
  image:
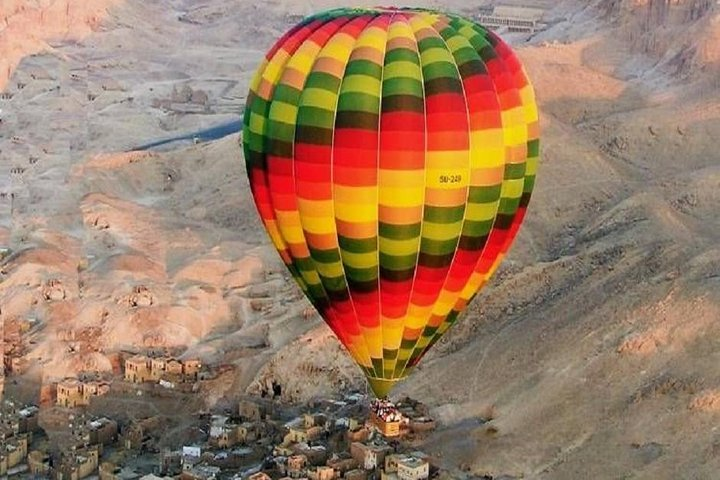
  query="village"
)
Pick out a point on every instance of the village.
point(261, 438)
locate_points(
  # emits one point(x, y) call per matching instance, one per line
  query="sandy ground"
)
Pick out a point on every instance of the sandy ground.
point(592, 353)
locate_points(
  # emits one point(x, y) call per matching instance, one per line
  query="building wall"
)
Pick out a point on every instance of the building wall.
point(93, 389)
point(157, 368)
point(391, 462)
point(132, 437)
point(106, 434)
point(325, 473)
point(259, 476)
point(137, 370)
point(360, 435)
point(70, 395)
point(356, 475)
point(29, 423)
point(107, 471)
point(296, 436)
point(3, 465)
point(75, 395)
point(342, 465)
point(89, 389)
point(227, 438)
point(406, 472)
point(88, 467)
point(313, 433)
point(296, 462)
point(246, 433)
point(173, 367)
point(308, 420)
point(17, 456)
point(367, 456)
point(523, 13)
point(371, 460)
point(357, 450)
point(422, 427)
point(37, 462)
point(191, 367)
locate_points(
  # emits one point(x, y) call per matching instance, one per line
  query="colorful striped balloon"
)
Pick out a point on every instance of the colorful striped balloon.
point(391, 154)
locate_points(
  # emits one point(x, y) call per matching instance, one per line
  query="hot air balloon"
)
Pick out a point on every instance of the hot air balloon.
point(391, 154)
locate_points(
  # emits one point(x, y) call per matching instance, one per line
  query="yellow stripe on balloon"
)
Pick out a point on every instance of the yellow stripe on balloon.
point(362, 195)
point(531, 166)
point(489, 141)
point(275, 67)
point(432, 55)
point(401, 197)
point(318, 97)
point(398, 247)
point(361, 84)
point(283, 112)
point(399, 69)
point(303, 60)
point(372, 37)
point(355, 212)
point(481, 212)
point(392, 335)
point(441, 231)
point(317, 224)
point(330, 270)
point(359, 260)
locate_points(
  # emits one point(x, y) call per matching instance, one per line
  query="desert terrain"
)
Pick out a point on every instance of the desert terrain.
point(594, 351)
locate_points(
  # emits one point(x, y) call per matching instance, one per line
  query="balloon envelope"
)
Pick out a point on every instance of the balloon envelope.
point(391, 154)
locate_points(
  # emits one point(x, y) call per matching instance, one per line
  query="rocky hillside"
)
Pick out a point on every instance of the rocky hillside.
point(32, 27)
point(682, 36)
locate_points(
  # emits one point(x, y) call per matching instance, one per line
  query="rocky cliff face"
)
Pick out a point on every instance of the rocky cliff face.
point(684, 35)
point(659, 12)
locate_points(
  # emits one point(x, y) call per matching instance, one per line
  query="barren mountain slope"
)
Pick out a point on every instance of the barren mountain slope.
point(31, 27)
